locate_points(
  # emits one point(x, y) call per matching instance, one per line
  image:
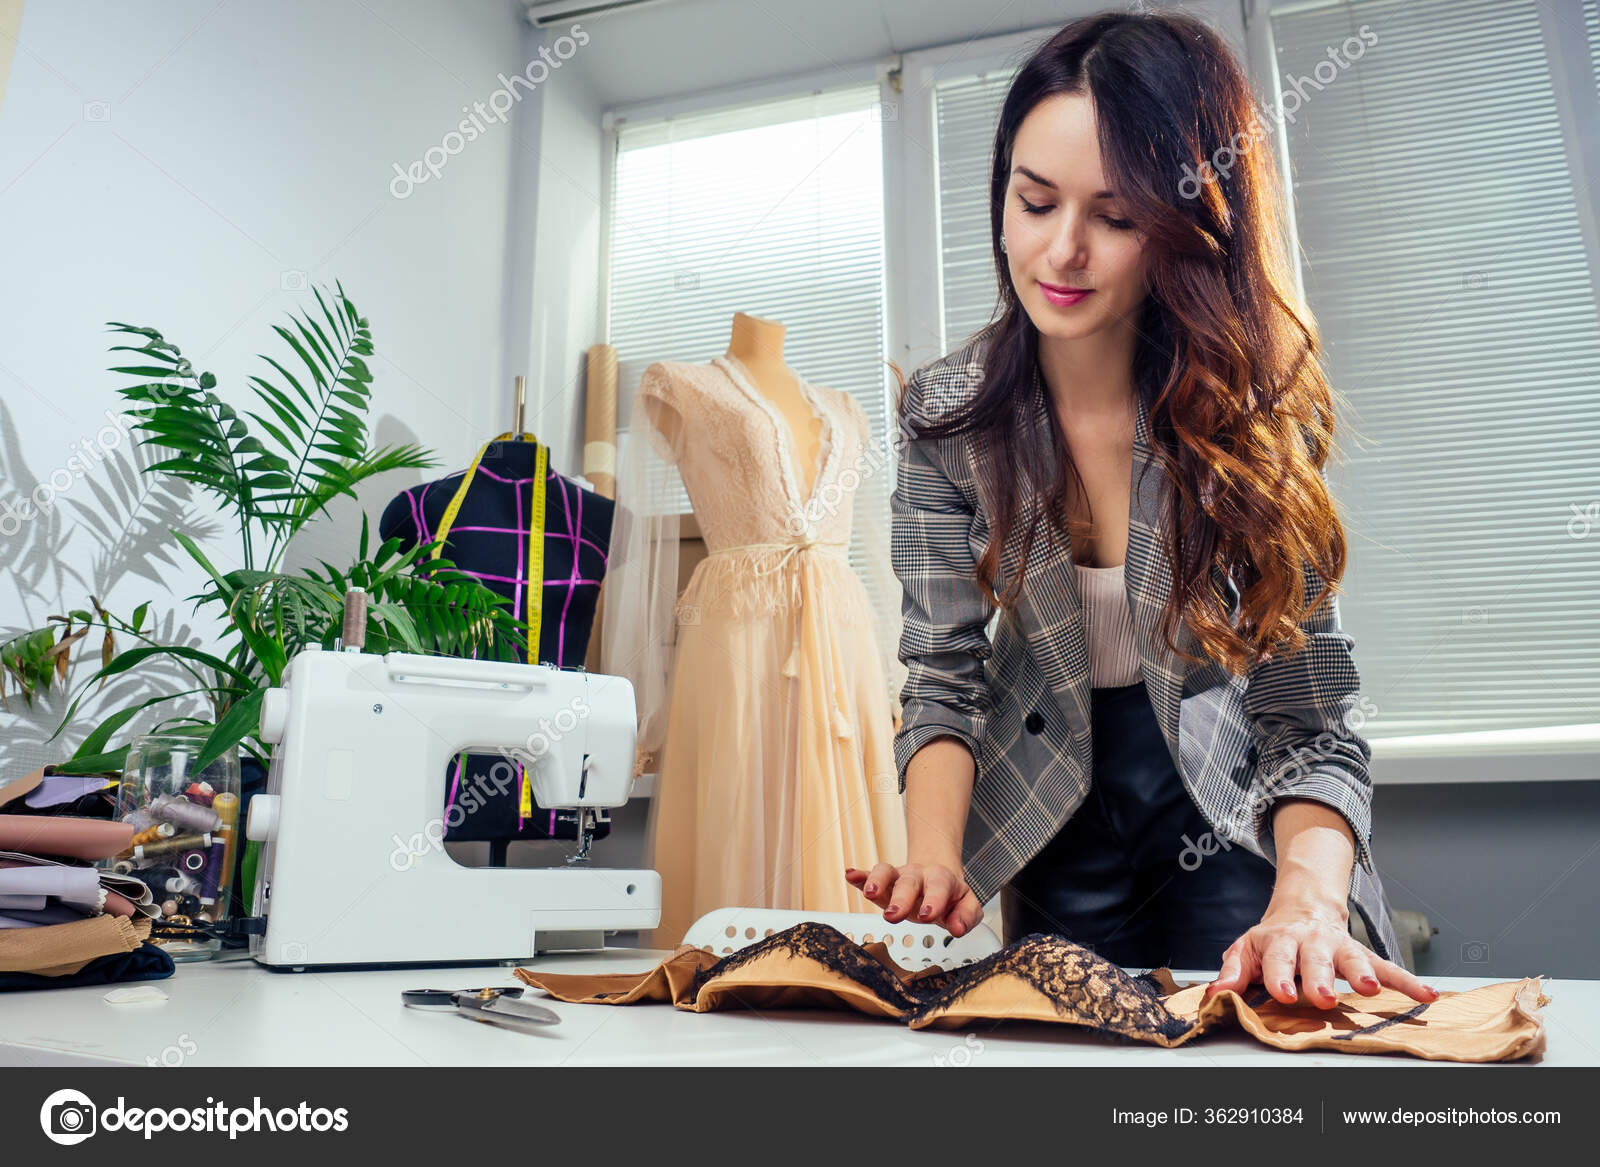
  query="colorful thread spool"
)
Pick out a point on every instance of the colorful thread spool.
point(216, 870)
point(152, 833)
point(226, 807)
point(182, 812)
point(167, 881)
point(173, 846)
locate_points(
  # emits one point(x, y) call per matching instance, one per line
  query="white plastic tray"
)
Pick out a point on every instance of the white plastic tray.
point(913, 946)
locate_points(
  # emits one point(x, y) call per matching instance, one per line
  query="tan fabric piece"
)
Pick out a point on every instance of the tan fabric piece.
point(21, 787)
point(1492, 1023)
point(65, 835)
point(60, 949)
point(1049, 978)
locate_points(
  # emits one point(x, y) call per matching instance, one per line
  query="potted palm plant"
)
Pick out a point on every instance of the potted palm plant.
point(275, 468)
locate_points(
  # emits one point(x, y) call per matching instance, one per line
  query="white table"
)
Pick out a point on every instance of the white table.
point(235, 1013)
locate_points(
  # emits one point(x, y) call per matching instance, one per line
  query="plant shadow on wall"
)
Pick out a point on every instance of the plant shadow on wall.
point(129, 519)
point(273, 469)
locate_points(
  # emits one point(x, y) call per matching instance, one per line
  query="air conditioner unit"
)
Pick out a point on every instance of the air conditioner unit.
point(542, 13)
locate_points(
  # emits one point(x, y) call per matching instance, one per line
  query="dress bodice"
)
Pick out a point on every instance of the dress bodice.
point(740, 467)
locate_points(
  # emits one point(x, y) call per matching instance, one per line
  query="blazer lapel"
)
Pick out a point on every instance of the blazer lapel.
point(1051, 608)
point(1148, 578)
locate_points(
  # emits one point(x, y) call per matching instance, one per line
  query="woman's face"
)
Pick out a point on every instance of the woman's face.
point(1077, 264)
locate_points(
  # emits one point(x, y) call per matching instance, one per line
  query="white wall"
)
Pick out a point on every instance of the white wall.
point(196, 167)
point(176, 164)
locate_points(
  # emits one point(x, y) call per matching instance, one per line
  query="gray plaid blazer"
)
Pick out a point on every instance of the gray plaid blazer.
point(1021, 702)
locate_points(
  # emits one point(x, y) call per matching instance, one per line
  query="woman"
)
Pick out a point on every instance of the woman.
point(1130, 455)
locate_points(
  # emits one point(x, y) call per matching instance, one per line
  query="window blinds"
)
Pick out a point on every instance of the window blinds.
point(1445, 262)
point(775, 209)
point(966, 111)
point(1591, 27)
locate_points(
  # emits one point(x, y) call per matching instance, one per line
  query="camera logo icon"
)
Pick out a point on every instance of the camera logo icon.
point(68, 1117)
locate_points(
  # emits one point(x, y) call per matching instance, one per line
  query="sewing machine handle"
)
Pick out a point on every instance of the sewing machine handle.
point(404, 666)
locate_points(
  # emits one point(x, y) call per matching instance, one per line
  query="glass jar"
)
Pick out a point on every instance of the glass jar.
point(186, 832)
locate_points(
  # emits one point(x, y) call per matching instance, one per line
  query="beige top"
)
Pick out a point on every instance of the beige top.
point(1113, 652)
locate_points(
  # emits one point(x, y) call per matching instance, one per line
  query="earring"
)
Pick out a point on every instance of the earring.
point(1002, 241)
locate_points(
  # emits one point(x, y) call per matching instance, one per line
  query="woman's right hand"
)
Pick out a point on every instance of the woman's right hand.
point(925, 893)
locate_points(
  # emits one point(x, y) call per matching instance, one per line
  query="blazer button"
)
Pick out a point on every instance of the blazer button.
point(1034, 722)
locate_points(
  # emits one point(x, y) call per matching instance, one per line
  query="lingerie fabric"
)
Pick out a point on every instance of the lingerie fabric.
point(1047, 978)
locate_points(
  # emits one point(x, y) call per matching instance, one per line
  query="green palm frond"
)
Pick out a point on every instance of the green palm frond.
point(427, 606)
point(211, 446)
point(314, 424)
point(322, 428)
point(275, 468)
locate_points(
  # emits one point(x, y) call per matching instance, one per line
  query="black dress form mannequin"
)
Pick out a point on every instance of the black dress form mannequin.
point(489, 539)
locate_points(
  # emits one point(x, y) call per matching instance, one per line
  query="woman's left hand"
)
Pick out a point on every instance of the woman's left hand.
point(1313, 939)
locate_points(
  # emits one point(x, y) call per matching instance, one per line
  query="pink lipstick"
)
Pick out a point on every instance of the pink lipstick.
point(1064, 297)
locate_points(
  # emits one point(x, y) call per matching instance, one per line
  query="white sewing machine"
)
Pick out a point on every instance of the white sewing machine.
point(353, 869)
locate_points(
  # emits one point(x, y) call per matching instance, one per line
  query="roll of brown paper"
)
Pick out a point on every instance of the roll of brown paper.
point(600, 453)
point(600, 420)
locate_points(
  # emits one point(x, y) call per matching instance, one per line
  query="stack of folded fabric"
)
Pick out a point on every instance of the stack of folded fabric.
point(64, 921)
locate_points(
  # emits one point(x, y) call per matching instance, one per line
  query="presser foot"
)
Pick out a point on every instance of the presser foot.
point(586, 826)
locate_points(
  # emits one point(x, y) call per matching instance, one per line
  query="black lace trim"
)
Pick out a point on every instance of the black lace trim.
point(1074, 980)
point(1410, 1014)
point(1085, 987)
point(827, 946)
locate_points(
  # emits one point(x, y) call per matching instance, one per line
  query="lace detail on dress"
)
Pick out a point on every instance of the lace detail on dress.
point(785, 445)
point(738, 584)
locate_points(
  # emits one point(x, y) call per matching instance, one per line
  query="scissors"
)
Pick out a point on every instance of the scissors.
point(498, 1006)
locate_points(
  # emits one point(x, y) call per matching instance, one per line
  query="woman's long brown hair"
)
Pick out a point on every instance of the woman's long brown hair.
point(1227, 358)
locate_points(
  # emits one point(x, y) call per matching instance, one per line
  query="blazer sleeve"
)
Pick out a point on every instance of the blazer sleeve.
point(943, 614)
point(1307, 714)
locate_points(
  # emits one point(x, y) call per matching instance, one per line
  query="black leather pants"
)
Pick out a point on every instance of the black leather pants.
point(1118, 877)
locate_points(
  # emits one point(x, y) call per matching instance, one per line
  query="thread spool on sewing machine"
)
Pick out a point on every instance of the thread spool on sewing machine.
point(353, 869)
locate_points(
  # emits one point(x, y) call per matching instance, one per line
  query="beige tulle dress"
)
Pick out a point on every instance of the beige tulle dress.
point(776, 727)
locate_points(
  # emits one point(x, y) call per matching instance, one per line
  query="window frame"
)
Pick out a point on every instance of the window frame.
point(914, 285)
